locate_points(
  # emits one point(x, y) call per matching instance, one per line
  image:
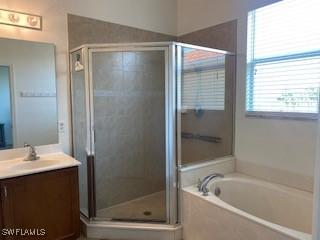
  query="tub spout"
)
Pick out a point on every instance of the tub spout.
point(202, 184)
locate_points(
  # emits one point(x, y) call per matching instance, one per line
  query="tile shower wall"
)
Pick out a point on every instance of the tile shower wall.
point(214, 123)
point(83, 30)
point(129, 111)
point(124, 175)
point(222, 36)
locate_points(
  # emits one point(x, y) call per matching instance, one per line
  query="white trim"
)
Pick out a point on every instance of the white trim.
point(13, 106)
point(283, 115)
point(12, 103)
point(206, 164)
point(316, 191)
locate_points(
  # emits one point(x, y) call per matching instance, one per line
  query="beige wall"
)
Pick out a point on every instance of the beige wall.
point(282, 146)
point(154, 15)
point(197, 14)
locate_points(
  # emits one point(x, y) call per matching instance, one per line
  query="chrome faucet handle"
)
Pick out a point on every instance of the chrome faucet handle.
point(205, 191)
point(199, 184)
point(32, 155)
point(27, 145)
point(203, 186)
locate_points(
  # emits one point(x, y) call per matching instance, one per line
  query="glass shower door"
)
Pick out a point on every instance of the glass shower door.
point(129, 118)
point(205, 105)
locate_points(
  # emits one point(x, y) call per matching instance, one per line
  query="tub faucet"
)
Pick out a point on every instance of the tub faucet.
point(202, 184)
point(32, 154)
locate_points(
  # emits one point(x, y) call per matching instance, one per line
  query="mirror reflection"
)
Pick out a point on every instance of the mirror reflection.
point(28, 103)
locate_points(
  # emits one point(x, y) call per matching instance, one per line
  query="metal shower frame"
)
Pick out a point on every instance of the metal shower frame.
point(173, 58)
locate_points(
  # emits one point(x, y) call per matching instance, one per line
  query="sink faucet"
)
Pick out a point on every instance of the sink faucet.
point(32, 154)
point(202, 184)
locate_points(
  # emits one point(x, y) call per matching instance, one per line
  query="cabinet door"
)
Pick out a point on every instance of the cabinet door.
point(46, 201)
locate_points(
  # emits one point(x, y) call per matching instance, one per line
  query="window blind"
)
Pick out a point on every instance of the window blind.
point(283, 58)
point(203, 80)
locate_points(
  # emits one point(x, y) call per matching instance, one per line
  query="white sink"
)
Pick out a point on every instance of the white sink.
point(29, 165)
point(16, 167)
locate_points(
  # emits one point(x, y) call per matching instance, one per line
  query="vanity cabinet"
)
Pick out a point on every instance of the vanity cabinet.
point(47, 200)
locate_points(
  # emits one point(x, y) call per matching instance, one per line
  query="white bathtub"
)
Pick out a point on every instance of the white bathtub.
point(246, 209)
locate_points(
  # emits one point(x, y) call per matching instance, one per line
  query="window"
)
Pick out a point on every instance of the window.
point(283, 59)
point(203, 80)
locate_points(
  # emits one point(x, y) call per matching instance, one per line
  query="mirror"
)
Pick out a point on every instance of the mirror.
point(28, 102)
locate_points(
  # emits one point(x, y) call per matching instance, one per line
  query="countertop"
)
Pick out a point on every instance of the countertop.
point(18, 167)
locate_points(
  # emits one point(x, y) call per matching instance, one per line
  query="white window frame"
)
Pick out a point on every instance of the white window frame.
point(250, 82)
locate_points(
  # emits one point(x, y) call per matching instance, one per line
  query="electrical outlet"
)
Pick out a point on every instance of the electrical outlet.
point(61, 126)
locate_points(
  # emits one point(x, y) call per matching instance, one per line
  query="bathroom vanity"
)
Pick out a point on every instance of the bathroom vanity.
point(41, 197)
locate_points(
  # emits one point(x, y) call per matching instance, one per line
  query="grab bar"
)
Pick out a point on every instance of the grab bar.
point(211, 139)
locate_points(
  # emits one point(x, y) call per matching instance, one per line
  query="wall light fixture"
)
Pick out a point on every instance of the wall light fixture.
point(19, 19)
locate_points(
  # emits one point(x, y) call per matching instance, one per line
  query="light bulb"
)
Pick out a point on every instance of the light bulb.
point(13, 17)
point(32, 21)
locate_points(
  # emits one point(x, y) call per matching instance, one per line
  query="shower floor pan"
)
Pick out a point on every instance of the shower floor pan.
point(147, 208)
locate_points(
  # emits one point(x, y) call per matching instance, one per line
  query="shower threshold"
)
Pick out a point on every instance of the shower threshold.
point(130, 230)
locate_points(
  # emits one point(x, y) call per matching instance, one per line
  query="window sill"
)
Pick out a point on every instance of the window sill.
point(284, 116)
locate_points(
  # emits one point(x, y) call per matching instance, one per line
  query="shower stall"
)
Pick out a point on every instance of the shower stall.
point(131, 133)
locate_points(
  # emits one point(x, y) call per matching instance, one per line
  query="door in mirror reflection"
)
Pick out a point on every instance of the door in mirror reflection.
point(6, 136)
